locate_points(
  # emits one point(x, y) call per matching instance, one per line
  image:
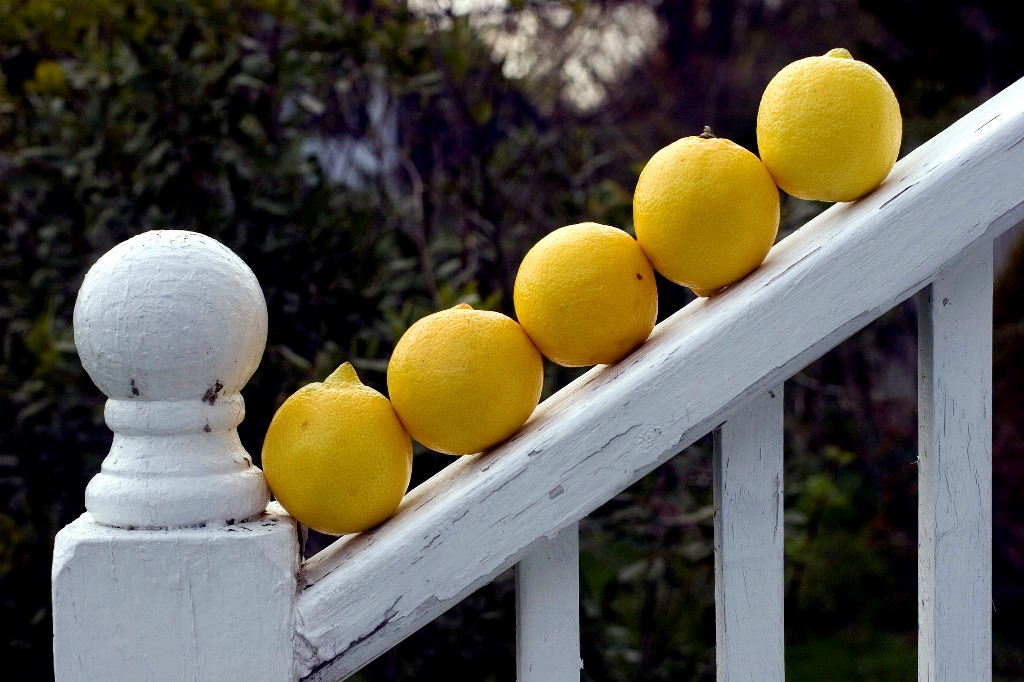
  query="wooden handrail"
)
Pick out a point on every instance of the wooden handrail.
point(594, 438)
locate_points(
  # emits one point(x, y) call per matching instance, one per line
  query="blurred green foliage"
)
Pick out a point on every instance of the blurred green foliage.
point(373, 164)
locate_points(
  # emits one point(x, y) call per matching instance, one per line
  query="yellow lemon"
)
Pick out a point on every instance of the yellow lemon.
point(463, 380)
point(586, 295)
point(336, 455)
point(829, 128)
point(706, 212)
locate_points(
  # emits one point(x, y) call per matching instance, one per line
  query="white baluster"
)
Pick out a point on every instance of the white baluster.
point(157, 581)
point(955, 472)
point(548, 610)
point(749, 537)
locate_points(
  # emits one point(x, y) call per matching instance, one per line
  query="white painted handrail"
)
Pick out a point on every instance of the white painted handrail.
point(170, 326)
point(594, 438)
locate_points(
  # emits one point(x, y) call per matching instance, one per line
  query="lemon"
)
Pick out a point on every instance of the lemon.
point(336, 455)
point(586, 295)
point(463, 380)
point(706, 212)
point(829, 128)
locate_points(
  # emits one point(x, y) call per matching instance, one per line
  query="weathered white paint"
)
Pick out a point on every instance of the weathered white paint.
point(211, 603)
point(548, 610)
point(749, 542)
point(955, 488)
point(170, 325)
point(479, 516)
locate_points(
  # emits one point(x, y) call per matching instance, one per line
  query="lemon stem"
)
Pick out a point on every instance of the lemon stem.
point(708, 134)
point(840, 53)
point(345, 374)
point(462, 306)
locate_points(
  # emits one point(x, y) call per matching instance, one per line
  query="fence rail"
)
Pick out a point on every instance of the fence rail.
point(948, 198)
point(717, 366)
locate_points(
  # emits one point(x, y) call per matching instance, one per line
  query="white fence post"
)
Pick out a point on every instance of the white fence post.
point(175, 572)
point(955, 472)
point(749, 542)
point(548, 610)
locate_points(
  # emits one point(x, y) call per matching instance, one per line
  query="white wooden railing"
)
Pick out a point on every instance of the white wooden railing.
point(234, 601)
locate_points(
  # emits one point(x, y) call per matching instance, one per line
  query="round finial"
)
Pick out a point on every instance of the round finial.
point(170, 325)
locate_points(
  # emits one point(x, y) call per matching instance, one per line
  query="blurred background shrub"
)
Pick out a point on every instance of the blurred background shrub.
point(374, 161)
